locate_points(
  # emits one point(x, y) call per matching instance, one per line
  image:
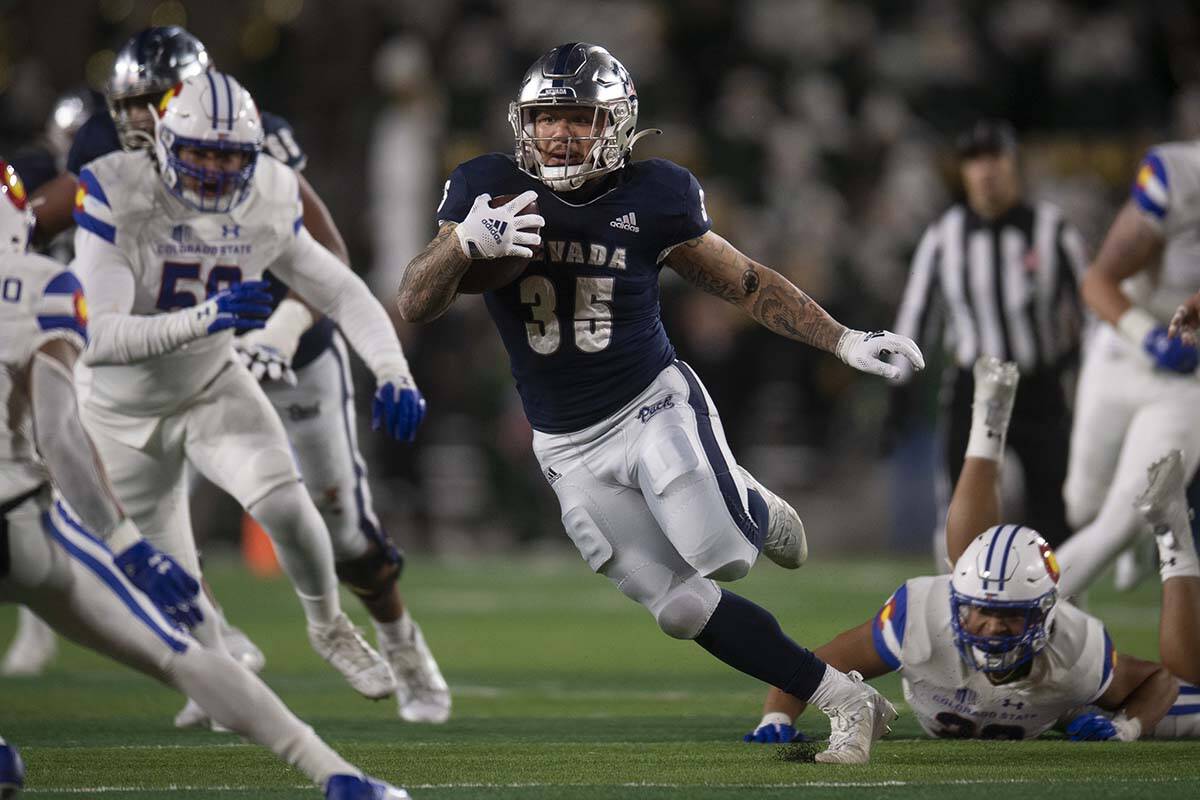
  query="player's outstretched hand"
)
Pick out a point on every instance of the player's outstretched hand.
point(1185, 325)
point(489, 233)
point(775, 733)
point(1173, 355)
point(242, 307)
point(867, 351)
point(264, 361)
point(166, 583)
point(398, 409)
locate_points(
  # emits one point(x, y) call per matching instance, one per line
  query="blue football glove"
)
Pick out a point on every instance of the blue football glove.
point(167, 584)
point(398, 409)
point(242, 307)
point(1171, 354)
point(775, 733)
point(1091, 728)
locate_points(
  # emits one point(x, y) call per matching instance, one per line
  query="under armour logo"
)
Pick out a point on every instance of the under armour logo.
point(496, 228)
point(228, 231)
point(1008, 703)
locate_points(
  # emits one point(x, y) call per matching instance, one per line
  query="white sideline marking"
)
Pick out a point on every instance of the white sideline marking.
point(425, 787)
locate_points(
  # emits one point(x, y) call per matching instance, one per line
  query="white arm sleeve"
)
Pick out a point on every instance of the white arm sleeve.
point(67, 450)
point(115, 335)
point(325, 282)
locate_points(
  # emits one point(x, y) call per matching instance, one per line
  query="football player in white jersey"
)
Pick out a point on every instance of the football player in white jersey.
point(991, 650)
point(172, 246)
point(55, 554)
point(1139, 394)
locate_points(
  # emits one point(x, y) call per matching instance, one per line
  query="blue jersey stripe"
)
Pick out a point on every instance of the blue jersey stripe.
point(1180, 710)
point(110, 576)
point(1108, 659)
point(716, 459)
point(64, 282)
point(97, 226)
point(92, 186)
point(881, 648)
point(49, 323)
point(1187, 688)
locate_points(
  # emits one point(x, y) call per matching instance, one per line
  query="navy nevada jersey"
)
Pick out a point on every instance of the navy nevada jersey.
point(98, 137)
point(582, 325)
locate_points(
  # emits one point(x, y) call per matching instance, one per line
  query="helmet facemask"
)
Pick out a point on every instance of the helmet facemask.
point(1003, 653)
point(605, 146)
point(135, 134)
point(205, 189)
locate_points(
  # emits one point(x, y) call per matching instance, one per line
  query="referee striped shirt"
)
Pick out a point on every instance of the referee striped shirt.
point(1006, 287)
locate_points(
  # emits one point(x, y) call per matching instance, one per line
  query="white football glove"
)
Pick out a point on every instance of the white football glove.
point(489, 233)
point(268, 352)
point(867, 351)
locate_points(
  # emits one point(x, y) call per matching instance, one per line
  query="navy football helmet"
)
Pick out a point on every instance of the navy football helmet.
point(148, 65)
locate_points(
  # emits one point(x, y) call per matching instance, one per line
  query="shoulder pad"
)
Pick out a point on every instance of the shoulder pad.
point(279, 142)
point(489, 166)
point(95, 138)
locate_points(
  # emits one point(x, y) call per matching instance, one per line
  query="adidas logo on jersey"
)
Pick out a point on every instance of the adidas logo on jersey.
point(552, 475)
point(496, 228)
point(626, 222)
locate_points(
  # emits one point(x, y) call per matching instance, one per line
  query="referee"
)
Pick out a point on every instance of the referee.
point(999, 276)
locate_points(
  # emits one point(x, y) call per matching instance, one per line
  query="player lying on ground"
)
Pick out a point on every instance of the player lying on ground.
point(624, 432)
point(57, 556)
point(171, 248)
point(303, 366)
point(991, 650)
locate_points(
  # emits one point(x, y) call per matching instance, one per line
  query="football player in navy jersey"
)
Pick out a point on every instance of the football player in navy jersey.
point(625, 432)
point(303, 363)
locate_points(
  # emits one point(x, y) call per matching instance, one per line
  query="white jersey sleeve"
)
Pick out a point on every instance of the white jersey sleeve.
point(1167, 193)
point(324, 281)
point(39, 302)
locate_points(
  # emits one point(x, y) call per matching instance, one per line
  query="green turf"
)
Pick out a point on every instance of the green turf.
point(564, 690)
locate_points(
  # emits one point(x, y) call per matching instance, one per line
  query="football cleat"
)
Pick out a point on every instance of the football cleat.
point(856, 723)
point(343, 646)
point(32, 649)
point(421, 694)
point(12, 771)
point(243, 649)
point(1164, 505)
point(784, 542)
point(995, 389)
point(360, 787)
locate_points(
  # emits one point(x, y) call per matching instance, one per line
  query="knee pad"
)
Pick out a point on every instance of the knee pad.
point(670, 459)
point(681, 606)
point(372, 575)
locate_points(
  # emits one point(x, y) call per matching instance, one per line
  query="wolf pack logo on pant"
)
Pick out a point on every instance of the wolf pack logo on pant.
point(649, 411)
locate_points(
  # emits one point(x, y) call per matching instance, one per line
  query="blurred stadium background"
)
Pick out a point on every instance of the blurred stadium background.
point(819, 129)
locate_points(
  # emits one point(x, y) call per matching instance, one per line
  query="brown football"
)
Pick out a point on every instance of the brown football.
point(485, 276)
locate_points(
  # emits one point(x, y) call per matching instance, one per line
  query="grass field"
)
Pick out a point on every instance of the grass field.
point(563, 690)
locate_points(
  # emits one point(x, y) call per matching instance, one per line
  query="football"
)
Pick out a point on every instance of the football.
point(485, 276)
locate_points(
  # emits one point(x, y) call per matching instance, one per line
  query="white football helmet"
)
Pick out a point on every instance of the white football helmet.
point(581, 75)
point(16, 217)
point(1007, 569)
point(212, 113)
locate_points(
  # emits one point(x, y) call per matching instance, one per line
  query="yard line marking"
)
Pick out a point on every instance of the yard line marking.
point(425, 787)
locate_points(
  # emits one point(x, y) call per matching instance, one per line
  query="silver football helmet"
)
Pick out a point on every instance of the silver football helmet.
point(70, 111)
point(147, 65)
point(577, 75)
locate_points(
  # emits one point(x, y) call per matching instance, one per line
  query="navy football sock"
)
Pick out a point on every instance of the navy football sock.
point(748, 638)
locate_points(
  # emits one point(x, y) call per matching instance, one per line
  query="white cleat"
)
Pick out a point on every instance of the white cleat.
point(996, 387)
point(32, 649)
point(784, 542)
point(193, 716)
point(343, 646)
point(856, 724)
point(243, 649)
point(421, 694)
point(1164, 505)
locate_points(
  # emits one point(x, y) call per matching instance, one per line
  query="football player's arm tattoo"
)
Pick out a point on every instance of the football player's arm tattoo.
point(430, 281)
point(719, 268)
point(1131, 245)
point(1144, 690)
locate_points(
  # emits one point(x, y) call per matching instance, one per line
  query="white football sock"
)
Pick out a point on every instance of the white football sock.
point(397, 632)
point(986, 439)
point(833, 689)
